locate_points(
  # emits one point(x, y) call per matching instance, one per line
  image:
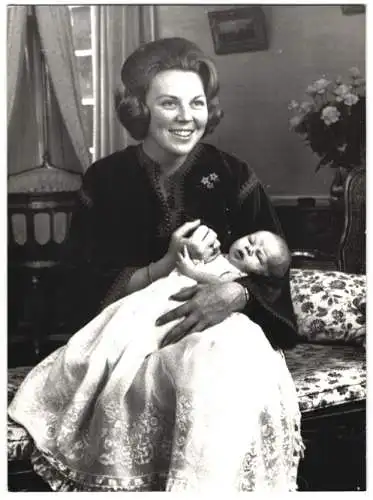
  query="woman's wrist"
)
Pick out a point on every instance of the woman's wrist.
point(168, 262)
point(247, 294)
point(160, 268)
point(244, 297)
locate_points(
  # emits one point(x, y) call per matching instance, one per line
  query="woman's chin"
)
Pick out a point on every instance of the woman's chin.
point(182, 149)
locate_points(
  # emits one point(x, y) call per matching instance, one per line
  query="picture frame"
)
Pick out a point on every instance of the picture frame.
point(349, 10)
point(238, 29)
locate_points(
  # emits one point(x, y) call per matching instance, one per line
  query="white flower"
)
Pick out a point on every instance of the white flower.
point(205, 181)
point(354, 72)
point(350, 99)
point(311, 90)
point(214, 176)
point(341, 91)
point(330, 115)
point(321, 85)
point(293, 105)
point(295, 121)
point(306, 106)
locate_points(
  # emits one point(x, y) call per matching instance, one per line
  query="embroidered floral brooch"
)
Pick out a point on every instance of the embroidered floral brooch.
point(210, 180)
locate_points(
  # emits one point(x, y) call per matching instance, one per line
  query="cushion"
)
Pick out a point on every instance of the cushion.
point(20, 444)
point(327, 375)
point(324, 375)
point(329, 305)
point(15, 377)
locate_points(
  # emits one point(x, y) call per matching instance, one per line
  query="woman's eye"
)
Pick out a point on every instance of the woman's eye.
point(199, 103)
point(168, 104)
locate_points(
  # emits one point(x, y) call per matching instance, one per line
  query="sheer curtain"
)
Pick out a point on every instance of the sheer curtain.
point(16, 33)
point(44, 110)
point(23, 131)
point(57, 42)
point(118, 30)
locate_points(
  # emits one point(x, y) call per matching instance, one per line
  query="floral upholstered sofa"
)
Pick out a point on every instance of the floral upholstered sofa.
point(328, 366)
point(329, 369)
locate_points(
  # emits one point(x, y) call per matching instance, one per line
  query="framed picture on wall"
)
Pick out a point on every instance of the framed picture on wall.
point(349, 10)
point(238, 29)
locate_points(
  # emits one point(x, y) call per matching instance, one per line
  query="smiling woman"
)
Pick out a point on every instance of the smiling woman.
point(178, 115)
point(149, 392)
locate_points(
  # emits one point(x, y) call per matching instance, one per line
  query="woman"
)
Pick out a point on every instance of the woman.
point(215, 409)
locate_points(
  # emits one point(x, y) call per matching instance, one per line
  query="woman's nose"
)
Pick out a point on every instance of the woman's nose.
point(185, 113)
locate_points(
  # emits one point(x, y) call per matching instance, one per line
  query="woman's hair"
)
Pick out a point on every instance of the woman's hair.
point(145, 63)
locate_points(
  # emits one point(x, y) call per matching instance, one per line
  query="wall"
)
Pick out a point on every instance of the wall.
point(306, 42)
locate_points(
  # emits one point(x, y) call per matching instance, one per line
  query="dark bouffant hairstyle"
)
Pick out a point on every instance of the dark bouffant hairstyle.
point(145, 63)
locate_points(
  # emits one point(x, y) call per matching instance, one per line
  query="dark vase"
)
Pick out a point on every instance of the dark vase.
point(337, 185)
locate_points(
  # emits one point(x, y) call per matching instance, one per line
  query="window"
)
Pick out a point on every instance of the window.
point(82, 21)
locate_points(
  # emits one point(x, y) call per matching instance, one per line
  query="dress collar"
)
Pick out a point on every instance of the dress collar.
point(153, 168)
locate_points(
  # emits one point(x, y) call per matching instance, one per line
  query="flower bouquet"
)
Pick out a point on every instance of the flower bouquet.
point(332, 122)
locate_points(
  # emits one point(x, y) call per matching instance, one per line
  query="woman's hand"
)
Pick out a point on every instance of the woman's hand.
point(205, 306)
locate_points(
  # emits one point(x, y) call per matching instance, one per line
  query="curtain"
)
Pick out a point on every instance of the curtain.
point(118, 31)
point(16, 29)
point(44, 110)
point(57, 42)
point(24, 135)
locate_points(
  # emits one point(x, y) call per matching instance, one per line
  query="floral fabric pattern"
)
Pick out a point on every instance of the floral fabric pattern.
point(329, 305)
point(20, 443)
point(327, 375)
point(15, 378)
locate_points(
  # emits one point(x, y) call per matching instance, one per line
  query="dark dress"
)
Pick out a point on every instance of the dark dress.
point(214, 412)
point(126, 221)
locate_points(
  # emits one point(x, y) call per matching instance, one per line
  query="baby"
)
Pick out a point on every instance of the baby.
point(106, 355)
point(261, 253)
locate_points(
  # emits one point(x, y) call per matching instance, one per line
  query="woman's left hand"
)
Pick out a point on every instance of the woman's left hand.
point(205, 306)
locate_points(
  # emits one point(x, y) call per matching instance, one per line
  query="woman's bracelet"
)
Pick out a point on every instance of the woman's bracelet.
point(247, 295)
point(149, 273)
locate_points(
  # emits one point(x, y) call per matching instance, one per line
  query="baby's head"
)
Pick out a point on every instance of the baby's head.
point(262, 253)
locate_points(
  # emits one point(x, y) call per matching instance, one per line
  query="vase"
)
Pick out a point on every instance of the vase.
point(337, 185)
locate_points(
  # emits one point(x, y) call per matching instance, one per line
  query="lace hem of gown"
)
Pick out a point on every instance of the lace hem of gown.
point(60, 478)
point(201, 415)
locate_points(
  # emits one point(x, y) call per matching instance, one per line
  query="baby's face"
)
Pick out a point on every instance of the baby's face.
point(253, 252)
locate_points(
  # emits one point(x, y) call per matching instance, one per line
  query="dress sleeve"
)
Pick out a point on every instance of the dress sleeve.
point(270, 304)
point(84, 242)
point(101, 275)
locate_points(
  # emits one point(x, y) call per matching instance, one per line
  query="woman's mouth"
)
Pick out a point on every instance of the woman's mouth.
point(182, 133)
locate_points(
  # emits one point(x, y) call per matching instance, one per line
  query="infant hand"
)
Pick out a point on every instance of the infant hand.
point(184, 262)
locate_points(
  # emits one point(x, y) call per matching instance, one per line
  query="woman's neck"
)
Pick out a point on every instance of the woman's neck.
point(167, 162)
